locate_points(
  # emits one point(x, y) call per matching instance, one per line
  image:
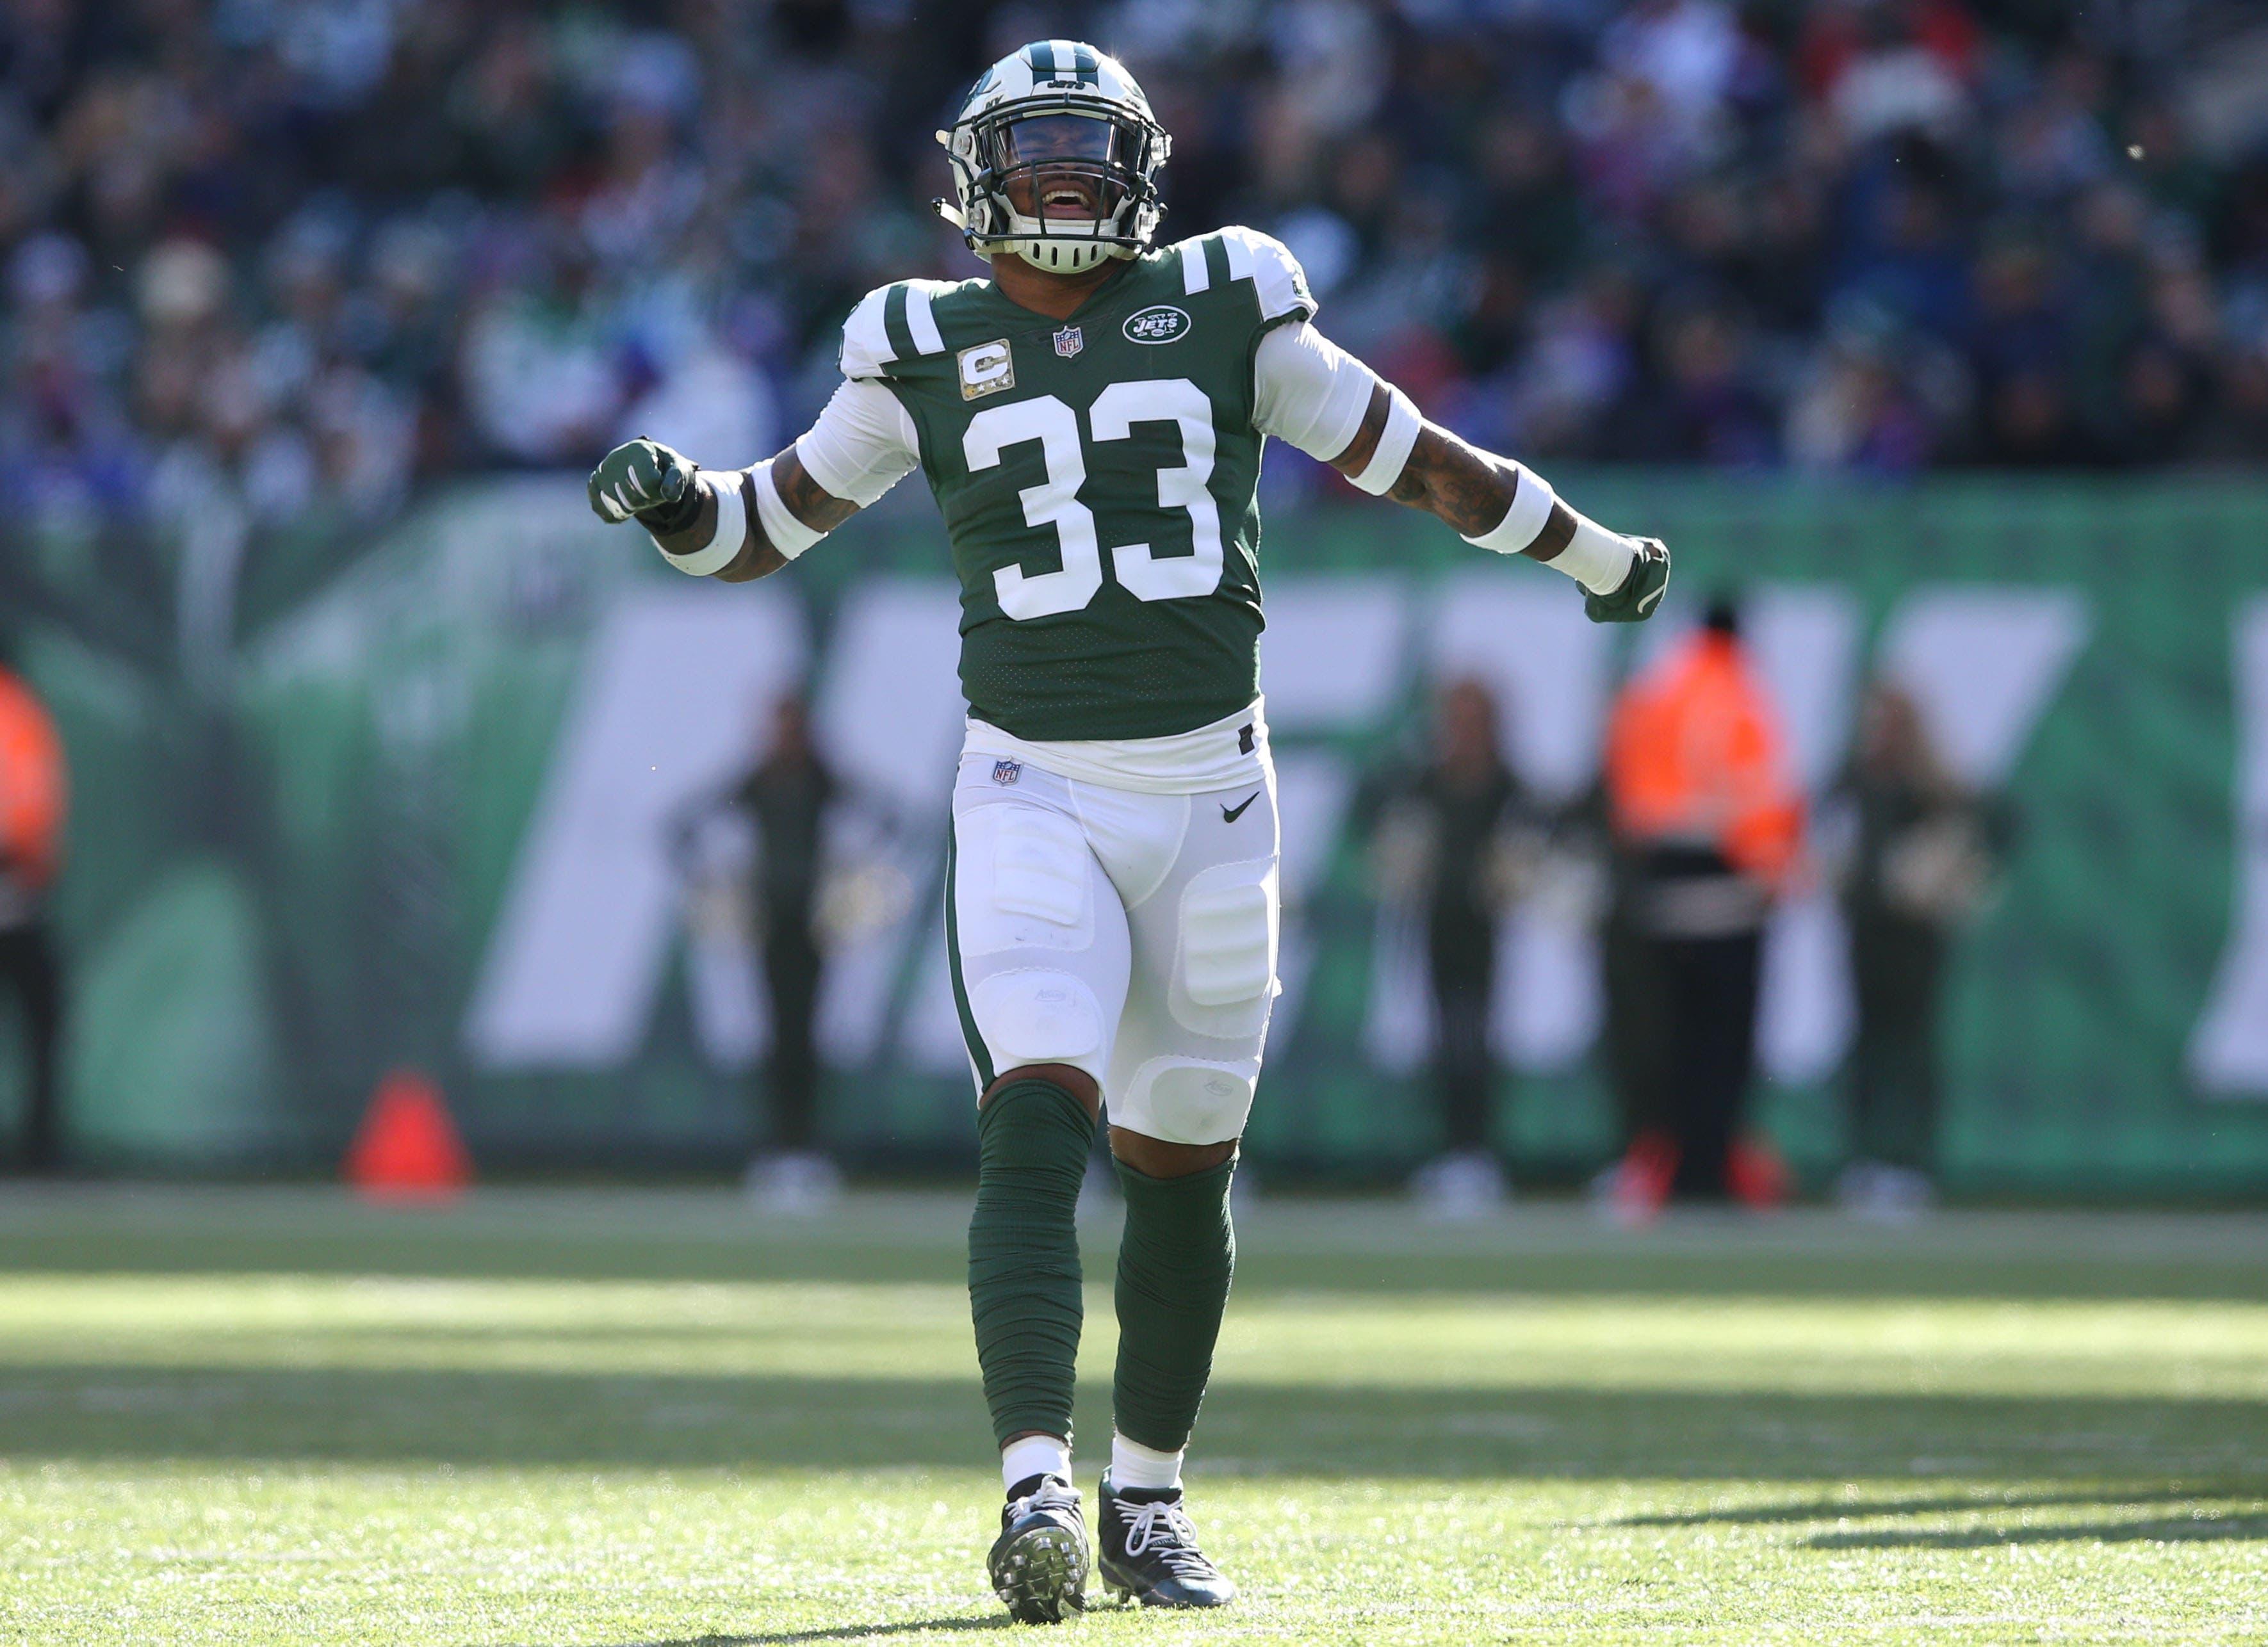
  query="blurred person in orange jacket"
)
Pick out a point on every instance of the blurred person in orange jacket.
point(1709, 819)
point(32, 800)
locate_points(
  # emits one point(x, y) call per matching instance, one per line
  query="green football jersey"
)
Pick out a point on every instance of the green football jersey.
point(1096, 476)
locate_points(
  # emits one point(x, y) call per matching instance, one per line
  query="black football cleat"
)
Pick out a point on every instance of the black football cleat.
point(1150, 1551)
point(1039, 1562)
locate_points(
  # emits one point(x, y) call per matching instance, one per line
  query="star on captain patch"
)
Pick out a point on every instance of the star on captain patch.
point(1069, 341)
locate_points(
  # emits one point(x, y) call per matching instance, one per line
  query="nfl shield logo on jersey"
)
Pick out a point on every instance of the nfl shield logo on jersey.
point(1069, 341)
point(1005, 772)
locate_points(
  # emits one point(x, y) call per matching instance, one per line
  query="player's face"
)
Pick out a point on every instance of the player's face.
point(1065, 155)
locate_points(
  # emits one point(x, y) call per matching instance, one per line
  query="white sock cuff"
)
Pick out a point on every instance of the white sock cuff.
point(1392, 454)
point(1594, 557)
point(1134, 1464)
point(782, 529)
point(1035, 1455)
point(1525, 521)
point(731, 527)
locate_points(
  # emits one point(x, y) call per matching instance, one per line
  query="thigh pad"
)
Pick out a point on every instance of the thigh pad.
point(1225, 961)
point(1026, 881)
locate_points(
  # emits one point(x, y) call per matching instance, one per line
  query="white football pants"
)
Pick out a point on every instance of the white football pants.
point(1131, 935)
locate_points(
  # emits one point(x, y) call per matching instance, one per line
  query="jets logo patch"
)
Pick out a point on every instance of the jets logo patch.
point(1159, 323)
point(986, 369)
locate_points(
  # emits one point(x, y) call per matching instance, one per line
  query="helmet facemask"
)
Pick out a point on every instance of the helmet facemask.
point(1063, 179)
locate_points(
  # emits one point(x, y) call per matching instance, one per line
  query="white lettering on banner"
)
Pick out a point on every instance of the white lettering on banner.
point(1805, 640)
point(1983, 663)
point(1331, 657)
point(2228, 1051)
point(890, 721)
point(671, 688)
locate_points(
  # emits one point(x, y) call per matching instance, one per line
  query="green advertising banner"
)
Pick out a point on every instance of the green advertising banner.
point(440, 807)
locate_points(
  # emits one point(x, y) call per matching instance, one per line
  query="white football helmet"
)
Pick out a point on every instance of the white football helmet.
point(1055, 158)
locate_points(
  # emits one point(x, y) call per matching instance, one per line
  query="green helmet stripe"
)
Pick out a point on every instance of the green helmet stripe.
point(1077, 62)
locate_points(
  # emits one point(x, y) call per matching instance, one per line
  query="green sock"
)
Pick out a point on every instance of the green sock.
point(1173, 1266)
point(1032, 1140)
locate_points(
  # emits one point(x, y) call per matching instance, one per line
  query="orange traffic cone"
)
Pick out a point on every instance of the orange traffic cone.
point(407, 1148)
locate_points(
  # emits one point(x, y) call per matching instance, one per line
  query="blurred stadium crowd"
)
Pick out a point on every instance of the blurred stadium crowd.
point(280, 259)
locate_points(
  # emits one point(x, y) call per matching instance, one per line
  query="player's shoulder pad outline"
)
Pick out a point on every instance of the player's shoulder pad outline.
point(1239, 253)
point(893, 324)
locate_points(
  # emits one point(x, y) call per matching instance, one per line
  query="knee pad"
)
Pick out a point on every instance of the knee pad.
point(1224, 963)
point(1189, 1100)
point(1033, 1015)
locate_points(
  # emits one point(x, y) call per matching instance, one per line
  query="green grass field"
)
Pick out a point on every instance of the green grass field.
point(585, 1419)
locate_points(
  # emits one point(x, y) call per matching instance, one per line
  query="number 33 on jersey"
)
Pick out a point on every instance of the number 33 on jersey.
point(1096, 477)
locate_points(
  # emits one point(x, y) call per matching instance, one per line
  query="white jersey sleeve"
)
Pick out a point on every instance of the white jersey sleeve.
point(863, 444)
point(1308, 391)
point(866, 339)
point(1276, 278)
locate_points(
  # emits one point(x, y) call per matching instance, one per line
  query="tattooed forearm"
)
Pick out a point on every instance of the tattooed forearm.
point(1468, 488)
point(806, 499)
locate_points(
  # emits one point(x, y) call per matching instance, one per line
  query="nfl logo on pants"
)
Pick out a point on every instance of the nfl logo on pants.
point(1069, 341)
point(1005, 772)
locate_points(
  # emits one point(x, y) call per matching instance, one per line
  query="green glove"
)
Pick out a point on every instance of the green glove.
point(1635, 597)
point(649, 481)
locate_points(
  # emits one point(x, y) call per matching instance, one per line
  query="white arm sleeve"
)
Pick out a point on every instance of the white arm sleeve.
point(1307, 390)
point(863, 444)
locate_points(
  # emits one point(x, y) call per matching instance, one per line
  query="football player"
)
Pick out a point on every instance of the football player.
point(1091, 420)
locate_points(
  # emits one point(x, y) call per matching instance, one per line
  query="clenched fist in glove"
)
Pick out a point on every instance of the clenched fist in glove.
point(648, 480)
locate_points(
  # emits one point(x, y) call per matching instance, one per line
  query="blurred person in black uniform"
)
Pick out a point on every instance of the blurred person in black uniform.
point(786, 797)
point(32, 786)
point(1450, 839)
point(1924, 852)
